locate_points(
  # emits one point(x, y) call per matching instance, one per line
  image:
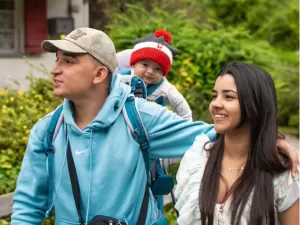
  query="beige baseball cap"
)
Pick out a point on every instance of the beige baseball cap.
point(86, 40)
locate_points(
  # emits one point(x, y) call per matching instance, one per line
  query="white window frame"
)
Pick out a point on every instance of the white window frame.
point(18, 30)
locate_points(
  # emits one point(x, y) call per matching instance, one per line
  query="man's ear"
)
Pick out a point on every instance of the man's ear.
point(100, 74)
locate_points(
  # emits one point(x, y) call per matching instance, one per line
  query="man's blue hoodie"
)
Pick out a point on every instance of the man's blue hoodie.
point(109, 163)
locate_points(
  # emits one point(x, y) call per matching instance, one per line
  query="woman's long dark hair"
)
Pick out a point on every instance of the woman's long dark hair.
point(257, 99)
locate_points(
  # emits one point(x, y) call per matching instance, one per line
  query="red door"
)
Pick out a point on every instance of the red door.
point(35, 13)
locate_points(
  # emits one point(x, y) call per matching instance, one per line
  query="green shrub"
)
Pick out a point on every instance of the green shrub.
point(204, 49)
point(5, 221)
point(275, 21)
point(19, 111)
point(170, 214)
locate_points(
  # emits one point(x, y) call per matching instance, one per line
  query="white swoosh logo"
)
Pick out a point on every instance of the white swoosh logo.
point(80, 152)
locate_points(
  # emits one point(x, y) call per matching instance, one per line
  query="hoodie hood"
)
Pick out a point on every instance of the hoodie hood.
point(112, 107)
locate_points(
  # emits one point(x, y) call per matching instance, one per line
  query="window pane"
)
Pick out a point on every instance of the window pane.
point(6, 41)
point(7, 4)
point(7, 31)
point(7, 20)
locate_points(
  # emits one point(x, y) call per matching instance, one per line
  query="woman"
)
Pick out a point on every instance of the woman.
point(246, 180)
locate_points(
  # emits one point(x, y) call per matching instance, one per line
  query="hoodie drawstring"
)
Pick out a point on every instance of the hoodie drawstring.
point(90, 180)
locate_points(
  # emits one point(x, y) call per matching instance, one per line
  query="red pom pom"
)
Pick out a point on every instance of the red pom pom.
point(163, 33)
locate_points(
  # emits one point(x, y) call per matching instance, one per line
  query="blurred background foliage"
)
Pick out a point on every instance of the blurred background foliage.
point(207, 41)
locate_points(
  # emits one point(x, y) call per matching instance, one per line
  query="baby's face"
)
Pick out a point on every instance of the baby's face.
point(149, 71)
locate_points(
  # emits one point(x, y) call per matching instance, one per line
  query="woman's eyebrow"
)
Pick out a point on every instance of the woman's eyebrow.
point(228, 90)
point(224, 91)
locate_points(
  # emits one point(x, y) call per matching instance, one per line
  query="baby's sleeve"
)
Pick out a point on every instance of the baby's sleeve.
point(178, 103)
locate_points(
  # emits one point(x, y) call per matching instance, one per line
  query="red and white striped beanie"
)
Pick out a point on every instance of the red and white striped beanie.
point(155, 47)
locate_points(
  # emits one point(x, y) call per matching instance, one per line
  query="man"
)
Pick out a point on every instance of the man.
point(109, 163)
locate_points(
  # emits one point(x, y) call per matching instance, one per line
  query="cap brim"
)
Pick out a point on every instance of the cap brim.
point(64, 45)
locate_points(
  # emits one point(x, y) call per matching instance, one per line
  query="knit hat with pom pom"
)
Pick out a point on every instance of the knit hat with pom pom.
point(155, 47)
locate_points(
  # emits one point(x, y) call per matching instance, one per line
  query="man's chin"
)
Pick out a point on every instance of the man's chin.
point(59, 94)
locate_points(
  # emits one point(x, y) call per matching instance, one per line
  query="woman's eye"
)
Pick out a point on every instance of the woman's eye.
point(228, 97)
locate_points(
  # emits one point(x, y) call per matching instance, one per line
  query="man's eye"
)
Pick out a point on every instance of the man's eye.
point(68, 61)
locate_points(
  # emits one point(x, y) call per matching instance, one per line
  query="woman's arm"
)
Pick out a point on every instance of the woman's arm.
point(291, 215)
